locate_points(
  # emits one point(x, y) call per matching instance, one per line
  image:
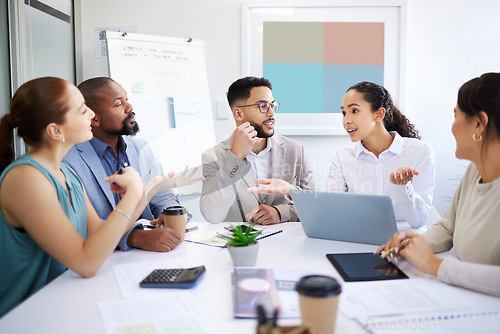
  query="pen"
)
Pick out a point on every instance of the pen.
point(391, 250)
point(125, 165)
point(120, 171)
point(193, 228)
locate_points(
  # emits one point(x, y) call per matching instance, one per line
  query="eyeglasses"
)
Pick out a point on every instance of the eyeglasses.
point(264, 106)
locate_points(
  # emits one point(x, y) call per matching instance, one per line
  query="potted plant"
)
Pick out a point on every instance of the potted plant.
point(242, 245)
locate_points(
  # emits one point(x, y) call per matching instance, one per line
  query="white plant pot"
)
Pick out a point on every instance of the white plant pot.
point(244, 256)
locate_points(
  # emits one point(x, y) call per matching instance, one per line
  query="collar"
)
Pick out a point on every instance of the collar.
point(100, 146)
point(396, 146)
point(265, 150)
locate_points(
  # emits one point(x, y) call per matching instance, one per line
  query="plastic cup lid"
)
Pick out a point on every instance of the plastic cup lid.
point(174, 211)
point(318, 286)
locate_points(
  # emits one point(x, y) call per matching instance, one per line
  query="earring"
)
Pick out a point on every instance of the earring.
point(62, 140)
point(477, 140)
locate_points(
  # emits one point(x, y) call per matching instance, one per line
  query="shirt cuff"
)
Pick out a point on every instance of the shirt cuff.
point(289, 198)
point(443, 272)
point(122, 245)
point(405, 191)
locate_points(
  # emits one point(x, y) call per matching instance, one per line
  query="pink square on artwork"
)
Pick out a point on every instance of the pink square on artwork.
point(356, 43)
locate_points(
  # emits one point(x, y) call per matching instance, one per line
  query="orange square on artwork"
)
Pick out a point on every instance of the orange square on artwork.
point(356, 43)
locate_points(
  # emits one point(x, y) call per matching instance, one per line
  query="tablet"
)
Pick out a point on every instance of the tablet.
point(356, 267)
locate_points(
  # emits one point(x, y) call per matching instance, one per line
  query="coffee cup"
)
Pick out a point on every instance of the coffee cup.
point(175, 217)
point(319, 298)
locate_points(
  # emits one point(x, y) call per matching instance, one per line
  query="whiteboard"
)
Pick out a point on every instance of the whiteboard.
point(166, 82)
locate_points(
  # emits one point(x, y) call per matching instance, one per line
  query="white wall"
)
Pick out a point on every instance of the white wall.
point(448, 42)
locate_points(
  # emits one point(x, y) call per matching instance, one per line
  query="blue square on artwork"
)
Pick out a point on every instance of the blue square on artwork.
point(338, 78)
point(298, 87)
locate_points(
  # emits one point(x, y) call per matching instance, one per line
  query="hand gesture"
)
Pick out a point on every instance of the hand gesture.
point(414, 248)
point(272, 187)
point(392, 246)
point(123, 181)
point(158, 222)
point(244, 139)
point(160, 183)
point(157, 240)
point(264, 215)
point(403, 175)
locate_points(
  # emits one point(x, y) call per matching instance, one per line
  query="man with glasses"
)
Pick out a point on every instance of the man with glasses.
point(252, 152)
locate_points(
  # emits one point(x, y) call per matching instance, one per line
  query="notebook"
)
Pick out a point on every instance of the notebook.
point(418, 305)
point(366, 219)
point(271, 288)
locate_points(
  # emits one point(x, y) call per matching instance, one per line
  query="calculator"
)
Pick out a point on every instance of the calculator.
point(173, 278)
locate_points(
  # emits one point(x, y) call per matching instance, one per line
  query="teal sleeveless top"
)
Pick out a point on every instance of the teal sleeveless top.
point(24, 266)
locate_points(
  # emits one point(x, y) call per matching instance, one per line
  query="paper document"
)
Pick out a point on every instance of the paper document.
point(129, 275)
point(175, 313)
point(214, 239)
point(452, 322)
point(401, 302)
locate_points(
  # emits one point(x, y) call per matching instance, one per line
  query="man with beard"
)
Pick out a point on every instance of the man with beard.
point(252, 152)
point(113, 145)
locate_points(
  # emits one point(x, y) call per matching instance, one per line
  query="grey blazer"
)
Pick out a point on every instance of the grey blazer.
point(227, 177)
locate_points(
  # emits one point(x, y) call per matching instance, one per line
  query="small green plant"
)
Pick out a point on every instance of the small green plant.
point(240, 238)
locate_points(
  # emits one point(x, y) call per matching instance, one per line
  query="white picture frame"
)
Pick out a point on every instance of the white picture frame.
point(391, 12)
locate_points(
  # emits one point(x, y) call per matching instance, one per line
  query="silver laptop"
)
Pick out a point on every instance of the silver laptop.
point(366, 219)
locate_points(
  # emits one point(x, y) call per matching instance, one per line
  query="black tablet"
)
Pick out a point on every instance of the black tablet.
point(355, 267)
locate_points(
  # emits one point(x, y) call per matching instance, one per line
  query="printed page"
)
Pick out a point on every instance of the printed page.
point(210, 239)
point(175, 313)
point(365, 300)
point(453, 322)
point(129, 275)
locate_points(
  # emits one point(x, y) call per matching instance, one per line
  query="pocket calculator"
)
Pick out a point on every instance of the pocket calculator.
point(173, 278)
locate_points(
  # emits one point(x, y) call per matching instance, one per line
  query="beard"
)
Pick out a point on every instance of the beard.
point(126, 129)
point(260, 131)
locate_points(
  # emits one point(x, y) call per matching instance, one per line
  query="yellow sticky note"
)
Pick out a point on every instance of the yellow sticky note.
point(138, 87)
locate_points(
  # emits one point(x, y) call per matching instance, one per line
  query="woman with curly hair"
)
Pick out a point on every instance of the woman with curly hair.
point(385, 160)
point(388, 159)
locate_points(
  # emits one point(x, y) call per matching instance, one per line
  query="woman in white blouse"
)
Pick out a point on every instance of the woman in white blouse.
point(388, 158)
point(471, 224)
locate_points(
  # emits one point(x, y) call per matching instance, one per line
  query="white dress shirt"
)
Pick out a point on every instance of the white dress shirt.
point(357, 170)
point(260, 164)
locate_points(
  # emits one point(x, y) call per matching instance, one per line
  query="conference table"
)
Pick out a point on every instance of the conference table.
point(69, 304)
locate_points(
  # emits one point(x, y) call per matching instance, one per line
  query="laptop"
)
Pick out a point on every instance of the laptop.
point(366, 219)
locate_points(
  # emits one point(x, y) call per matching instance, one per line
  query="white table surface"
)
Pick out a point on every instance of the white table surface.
point(69, 303)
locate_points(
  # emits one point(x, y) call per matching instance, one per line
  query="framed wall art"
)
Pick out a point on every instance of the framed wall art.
point(313, 51)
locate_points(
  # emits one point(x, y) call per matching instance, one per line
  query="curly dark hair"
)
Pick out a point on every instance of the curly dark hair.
point(379, 97)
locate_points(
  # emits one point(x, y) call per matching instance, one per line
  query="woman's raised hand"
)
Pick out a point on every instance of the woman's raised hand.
point(403, 175)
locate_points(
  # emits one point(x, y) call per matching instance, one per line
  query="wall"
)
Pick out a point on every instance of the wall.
point(4, 61)
point(448, 42)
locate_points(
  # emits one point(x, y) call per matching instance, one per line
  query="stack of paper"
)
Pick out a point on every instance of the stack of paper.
point(417, 305)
